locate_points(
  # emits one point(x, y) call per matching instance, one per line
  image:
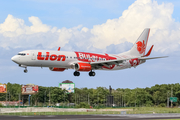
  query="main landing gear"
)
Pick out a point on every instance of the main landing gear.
point(91, 73)
point(76, 73)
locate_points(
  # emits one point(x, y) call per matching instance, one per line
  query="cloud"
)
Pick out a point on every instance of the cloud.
point(37, 25)
point(13, 27)
point(119, 48)
point(113, 36)
point(141, 14)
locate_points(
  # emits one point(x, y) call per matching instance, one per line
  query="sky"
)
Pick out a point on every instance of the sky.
point(101, 26)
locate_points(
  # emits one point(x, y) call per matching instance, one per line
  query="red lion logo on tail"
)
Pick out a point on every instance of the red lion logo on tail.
point(141, 47)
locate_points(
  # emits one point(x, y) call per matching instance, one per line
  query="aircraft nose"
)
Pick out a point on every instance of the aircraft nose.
point(14, 59)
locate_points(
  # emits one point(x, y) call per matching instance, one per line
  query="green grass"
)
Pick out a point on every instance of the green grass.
point(56, 113)
point(147, 110)
point(137, 110)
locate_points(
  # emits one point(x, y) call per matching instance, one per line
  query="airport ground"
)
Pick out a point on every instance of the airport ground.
point(97, 117)
point(86, 104)
point(84, 111)
point(139, 113)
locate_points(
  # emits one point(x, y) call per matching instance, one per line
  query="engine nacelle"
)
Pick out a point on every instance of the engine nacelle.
point(57, 69)
point(82, 67)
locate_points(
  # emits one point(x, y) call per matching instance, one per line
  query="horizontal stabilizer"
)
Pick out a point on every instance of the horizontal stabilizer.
point(149, 52)
point(152, 58)
point(59, 48)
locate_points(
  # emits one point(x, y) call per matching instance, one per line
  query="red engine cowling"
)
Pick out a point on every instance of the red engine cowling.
point(82, 67)
point(57, 69)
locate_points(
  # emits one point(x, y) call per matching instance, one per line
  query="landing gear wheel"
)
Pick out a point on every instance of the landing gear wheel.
point(76, 73)
point(25, 71)
point(92, 73)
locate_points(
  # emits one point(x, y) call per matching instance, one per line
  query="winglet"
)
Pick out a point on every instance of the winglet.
point(149, 52)
point(59, 48)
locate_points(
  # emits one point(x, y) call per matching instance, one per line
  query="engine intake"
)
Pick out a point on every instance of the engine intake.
point(82, 67)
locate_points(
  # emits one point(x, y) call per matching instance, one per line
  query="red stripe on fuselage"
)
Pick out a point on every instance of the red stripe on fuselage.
point(92, 57)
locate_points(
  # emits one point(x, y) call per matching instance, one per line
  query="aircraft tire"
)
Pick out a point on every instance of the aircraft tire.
point(92, 73)
point(76, 73)
point(25, 71)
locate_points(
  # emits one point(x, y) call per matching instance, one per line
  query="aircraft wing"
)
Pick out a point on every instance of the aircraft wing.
point(99, 64)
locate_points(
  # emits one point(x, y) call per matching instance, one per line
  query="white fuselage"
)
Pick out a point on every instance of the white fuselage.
point(63, 59)
point(84, 61)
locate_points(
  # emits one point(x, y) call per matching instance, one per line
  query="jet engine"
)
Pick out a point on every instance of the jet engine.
point(57, 69)
point(82, 67)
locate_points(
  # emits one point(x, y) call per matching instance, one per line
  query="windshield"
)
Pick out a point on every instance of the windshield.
point(22, 54)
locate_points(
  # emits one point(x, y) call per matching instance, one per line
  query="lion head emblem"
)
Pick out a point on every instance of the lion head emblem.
point(141, 47)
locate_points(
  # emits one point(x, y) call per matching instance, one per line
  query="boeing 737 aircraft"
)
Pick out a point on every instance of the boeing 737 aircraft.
point(84, 61)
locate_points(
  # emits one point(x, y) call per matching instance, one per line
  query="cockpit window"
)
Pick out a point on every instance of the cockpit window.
point(22, 54)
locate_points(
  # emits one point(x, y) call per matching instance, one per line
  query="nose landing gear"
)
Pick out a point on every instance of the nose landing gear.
point(76, 73)
point(25, 71)
point(91, 73)
point(24, 66)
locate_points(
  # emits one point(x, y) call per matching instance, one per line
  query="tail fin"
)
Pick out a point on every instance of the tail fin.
point(139, 47)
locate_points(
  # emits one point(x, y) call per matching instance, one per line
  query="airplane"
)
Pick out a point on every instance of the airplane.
point(84, 61)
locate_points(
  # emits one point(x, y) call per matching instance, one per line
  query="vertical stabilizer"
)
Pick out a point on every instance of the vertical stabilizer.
point(139, 46)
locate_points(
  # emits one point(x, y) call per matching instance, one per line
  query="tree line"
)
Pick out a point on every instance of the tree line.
point(155, 96)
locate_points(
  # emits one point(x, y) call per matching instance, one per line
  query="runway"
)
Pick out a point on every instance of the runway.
point(94, 117)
